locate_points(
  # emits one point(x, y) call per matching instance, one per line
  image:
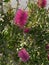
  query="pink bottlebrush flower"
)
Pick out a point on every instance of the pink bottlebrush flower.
point(26, 30)
point(42, 3)
point(48, 56)
point(23, 54)
point(20, 18)
point(47, 46)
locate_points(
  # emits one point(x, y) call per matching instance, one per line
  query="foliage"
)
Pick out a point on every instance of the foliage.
point(6, 0)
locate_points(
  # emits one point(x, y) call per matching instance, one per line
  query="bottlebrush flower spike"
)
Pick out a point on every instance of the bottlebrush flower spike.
point(42, 3)
point(20, 18)
point(47, 46)
point(23, 54)
point(48, 56)
point(26, 30)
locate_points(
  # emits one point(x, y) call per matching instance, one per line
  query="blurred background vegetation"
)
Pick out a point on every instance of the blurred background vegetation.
point(12, 38)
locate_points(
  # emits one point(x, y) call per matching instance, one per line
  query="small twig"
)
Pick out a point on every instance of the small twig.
point(17, 4)
point(1, 4)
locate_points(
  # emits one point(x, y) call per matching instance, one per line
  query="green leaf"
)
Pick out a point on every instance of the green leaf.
point(6, 0)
